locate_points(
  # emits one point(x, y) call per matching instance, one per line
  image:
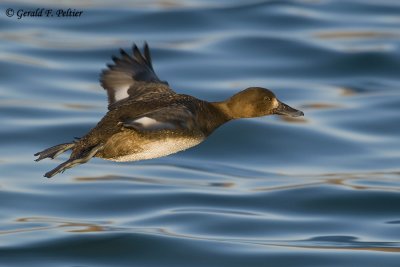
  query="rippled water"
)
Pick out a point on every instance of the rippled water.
point(322, 190)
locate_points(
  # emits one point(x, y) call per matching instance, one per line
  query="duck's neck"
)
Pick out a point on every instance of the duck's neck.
point(229, 109)
point(223, 108)
point(212, 116)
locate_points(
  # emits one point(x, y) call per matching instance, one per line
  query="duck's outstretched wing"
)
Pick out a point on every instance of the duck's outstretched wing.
point(132, 77)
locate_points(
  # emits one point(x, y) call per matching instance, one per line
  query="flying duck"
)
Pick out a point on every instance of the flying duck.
point(146, 119)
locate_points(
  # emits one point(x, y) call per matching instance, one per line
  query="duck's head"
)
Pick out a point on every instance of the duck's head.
point(256, 102)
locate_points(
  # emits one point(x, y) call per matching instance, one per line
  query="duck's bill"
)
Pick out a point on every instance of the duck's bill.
point(284, 109)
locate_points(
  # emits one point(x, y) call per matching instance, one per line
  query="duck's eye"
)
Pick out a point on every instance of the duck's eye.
point(267, 98)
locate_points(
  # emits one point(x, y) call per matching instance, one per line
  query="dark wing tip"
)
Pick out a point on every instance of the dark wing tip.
point(125, 55)
point(131, 61)
point(135, 50)
point(115, 59)
point(138, 56)
point(147, 55)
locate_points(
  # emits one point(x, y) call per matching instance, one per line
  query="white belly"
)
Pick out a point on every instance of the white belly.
point(160, 148)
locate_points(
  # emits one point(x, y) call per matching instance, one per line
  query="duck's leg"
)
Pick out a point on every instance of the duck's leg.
point(54, 151)
point(83, 157)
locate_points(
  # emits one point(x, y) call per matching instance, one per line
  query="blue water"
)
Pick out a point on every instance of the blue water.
point(322, 190)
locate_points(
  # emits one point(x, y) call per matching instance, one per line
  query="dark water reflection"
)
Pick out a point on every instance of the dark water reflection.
point(322, 190)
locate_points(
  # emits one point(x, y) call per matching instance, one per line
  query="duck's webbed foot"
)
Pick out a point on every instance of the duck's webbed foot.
point(83, 157)
point(54, 151)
